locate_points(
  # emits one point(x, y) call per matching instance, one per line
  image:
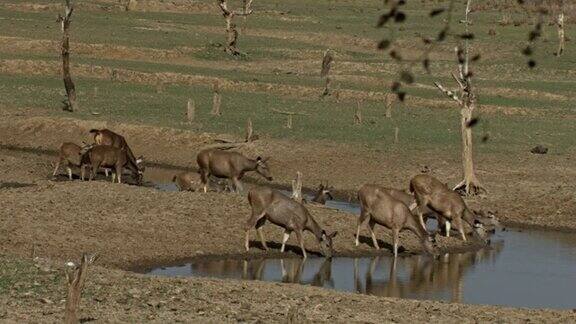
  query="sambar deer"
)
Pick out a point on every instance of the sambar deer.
point(382, 208)
point(70, 154)
point(273, 206)
point(107, 137)
point(110, 157)
point(186, 181)
point(322, 194)
point(448, 204)
point(230, 165)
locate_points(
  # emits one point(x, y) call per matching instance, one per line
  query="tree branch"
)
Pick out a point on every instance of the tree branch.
point(448, 93)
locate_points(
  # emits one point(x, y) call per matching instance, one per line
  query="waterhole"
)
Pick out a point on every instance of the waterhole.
point(520, 268)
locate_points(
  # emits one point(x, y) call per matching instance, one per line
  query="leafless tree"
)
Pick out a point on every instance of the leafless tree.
point(249, 131)
point(289, 115)
point(466, 99)
point(358, 113)
point(76, 275)
point(70, 103)
point(232, 32)
point(561, 35)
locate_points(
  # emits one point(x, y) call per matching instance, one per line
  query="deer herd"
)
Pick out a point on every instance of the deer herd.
point(395, 209)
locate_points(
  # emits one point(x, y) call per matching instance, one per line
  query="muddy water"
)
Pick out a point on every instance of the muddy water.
point(534, 269)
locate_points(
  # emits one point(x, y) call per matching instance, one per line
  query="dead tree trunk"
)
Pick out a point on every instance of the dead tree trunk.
point(76, 275)
point(389, 102)
point(70, 103)
point(358, 113)
point(216, 100)
point(467, 101)
point(190, 111)
point(231, 31)
point(297, 187)
point(249, 131)
point(561, 35)
point(327, 62)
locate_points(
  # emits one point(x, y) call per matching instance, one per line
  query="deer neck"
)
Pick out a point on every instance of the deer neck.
point(249, 165)
point(314, 228)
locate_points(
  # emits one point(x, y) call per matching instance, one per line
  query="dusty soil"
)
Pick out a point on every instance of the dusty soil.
point(134, 226)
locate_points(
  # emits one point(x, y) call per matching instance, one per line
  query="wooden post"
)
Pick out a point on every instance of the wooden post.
point(95, 92)
point(297, 187)
point(70, 103)
point(216, 100)
point(396, 131)
point(389, 102)
point(358, 113)
point(76, 275)
point(190, 111)
point(327, 62)
point(561, 35)
point(249, 131)
point(289, 115)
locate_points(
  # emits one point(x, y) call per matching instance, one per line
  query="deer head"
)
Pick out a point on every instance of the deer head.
point(326, 244)
point(262, 168)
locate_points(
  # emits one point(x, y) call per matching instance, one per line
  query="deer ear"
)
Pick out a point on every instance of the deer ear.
point(333, 235)
point(259, 159)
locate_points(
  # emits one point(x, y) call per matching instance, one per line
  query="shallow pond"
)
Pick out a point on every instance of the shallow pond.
point(520, 268)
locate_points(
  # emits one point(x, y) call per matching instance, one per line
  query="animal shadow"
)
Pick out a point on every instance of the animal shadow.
point(275, 247)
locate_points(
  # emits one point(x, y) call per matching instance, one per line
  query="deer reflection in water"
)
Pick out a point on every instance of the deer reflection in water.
point(422, 277)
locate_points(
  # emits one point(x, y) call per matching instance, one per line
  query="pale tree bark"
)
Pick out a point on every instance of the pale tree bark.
point(467, 100)
point(231, 31)
point(561, 35)
point(297, 187)
point(289, 115)
point(389, 102)
point(76, 275)
point(70, 103)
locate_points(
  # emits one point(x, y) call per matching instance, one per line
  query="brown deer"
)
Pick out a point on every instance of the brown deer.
point(110, 157)
point(448, 204)
point(70, 154)
point(186, 181)
point(273, 206)
point(230, 165)
point(108, 137)
point(381, 208)
point(322, 194)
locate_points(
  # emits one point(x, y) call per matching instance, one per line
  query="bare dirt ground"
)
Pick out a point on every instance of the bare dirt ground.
point(136, 226)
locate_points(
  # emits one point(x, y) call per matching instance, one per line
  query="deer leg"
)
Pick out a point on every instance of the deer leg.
point(69, 172)
point(460, 226)
point(119, 174)
point(285, 238)
point(82, 171)
point(447, 227)
point(57, 167)
point(237, 185)
point(371, 224)
point(106, 173)
point(361, 218)
point(204, 178)
point(395, 234)
point(300, 238)
point(259, 225)
point(93, 171)
point(252, 221)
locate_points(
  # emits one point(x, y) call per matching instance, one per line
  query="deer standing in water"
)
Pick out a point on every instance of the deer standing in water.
point(110, 157)
point(448, 204)
point(273, 206)
point(109, 138)
point(381, 208)
point(229, 165)
point(71, 154)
